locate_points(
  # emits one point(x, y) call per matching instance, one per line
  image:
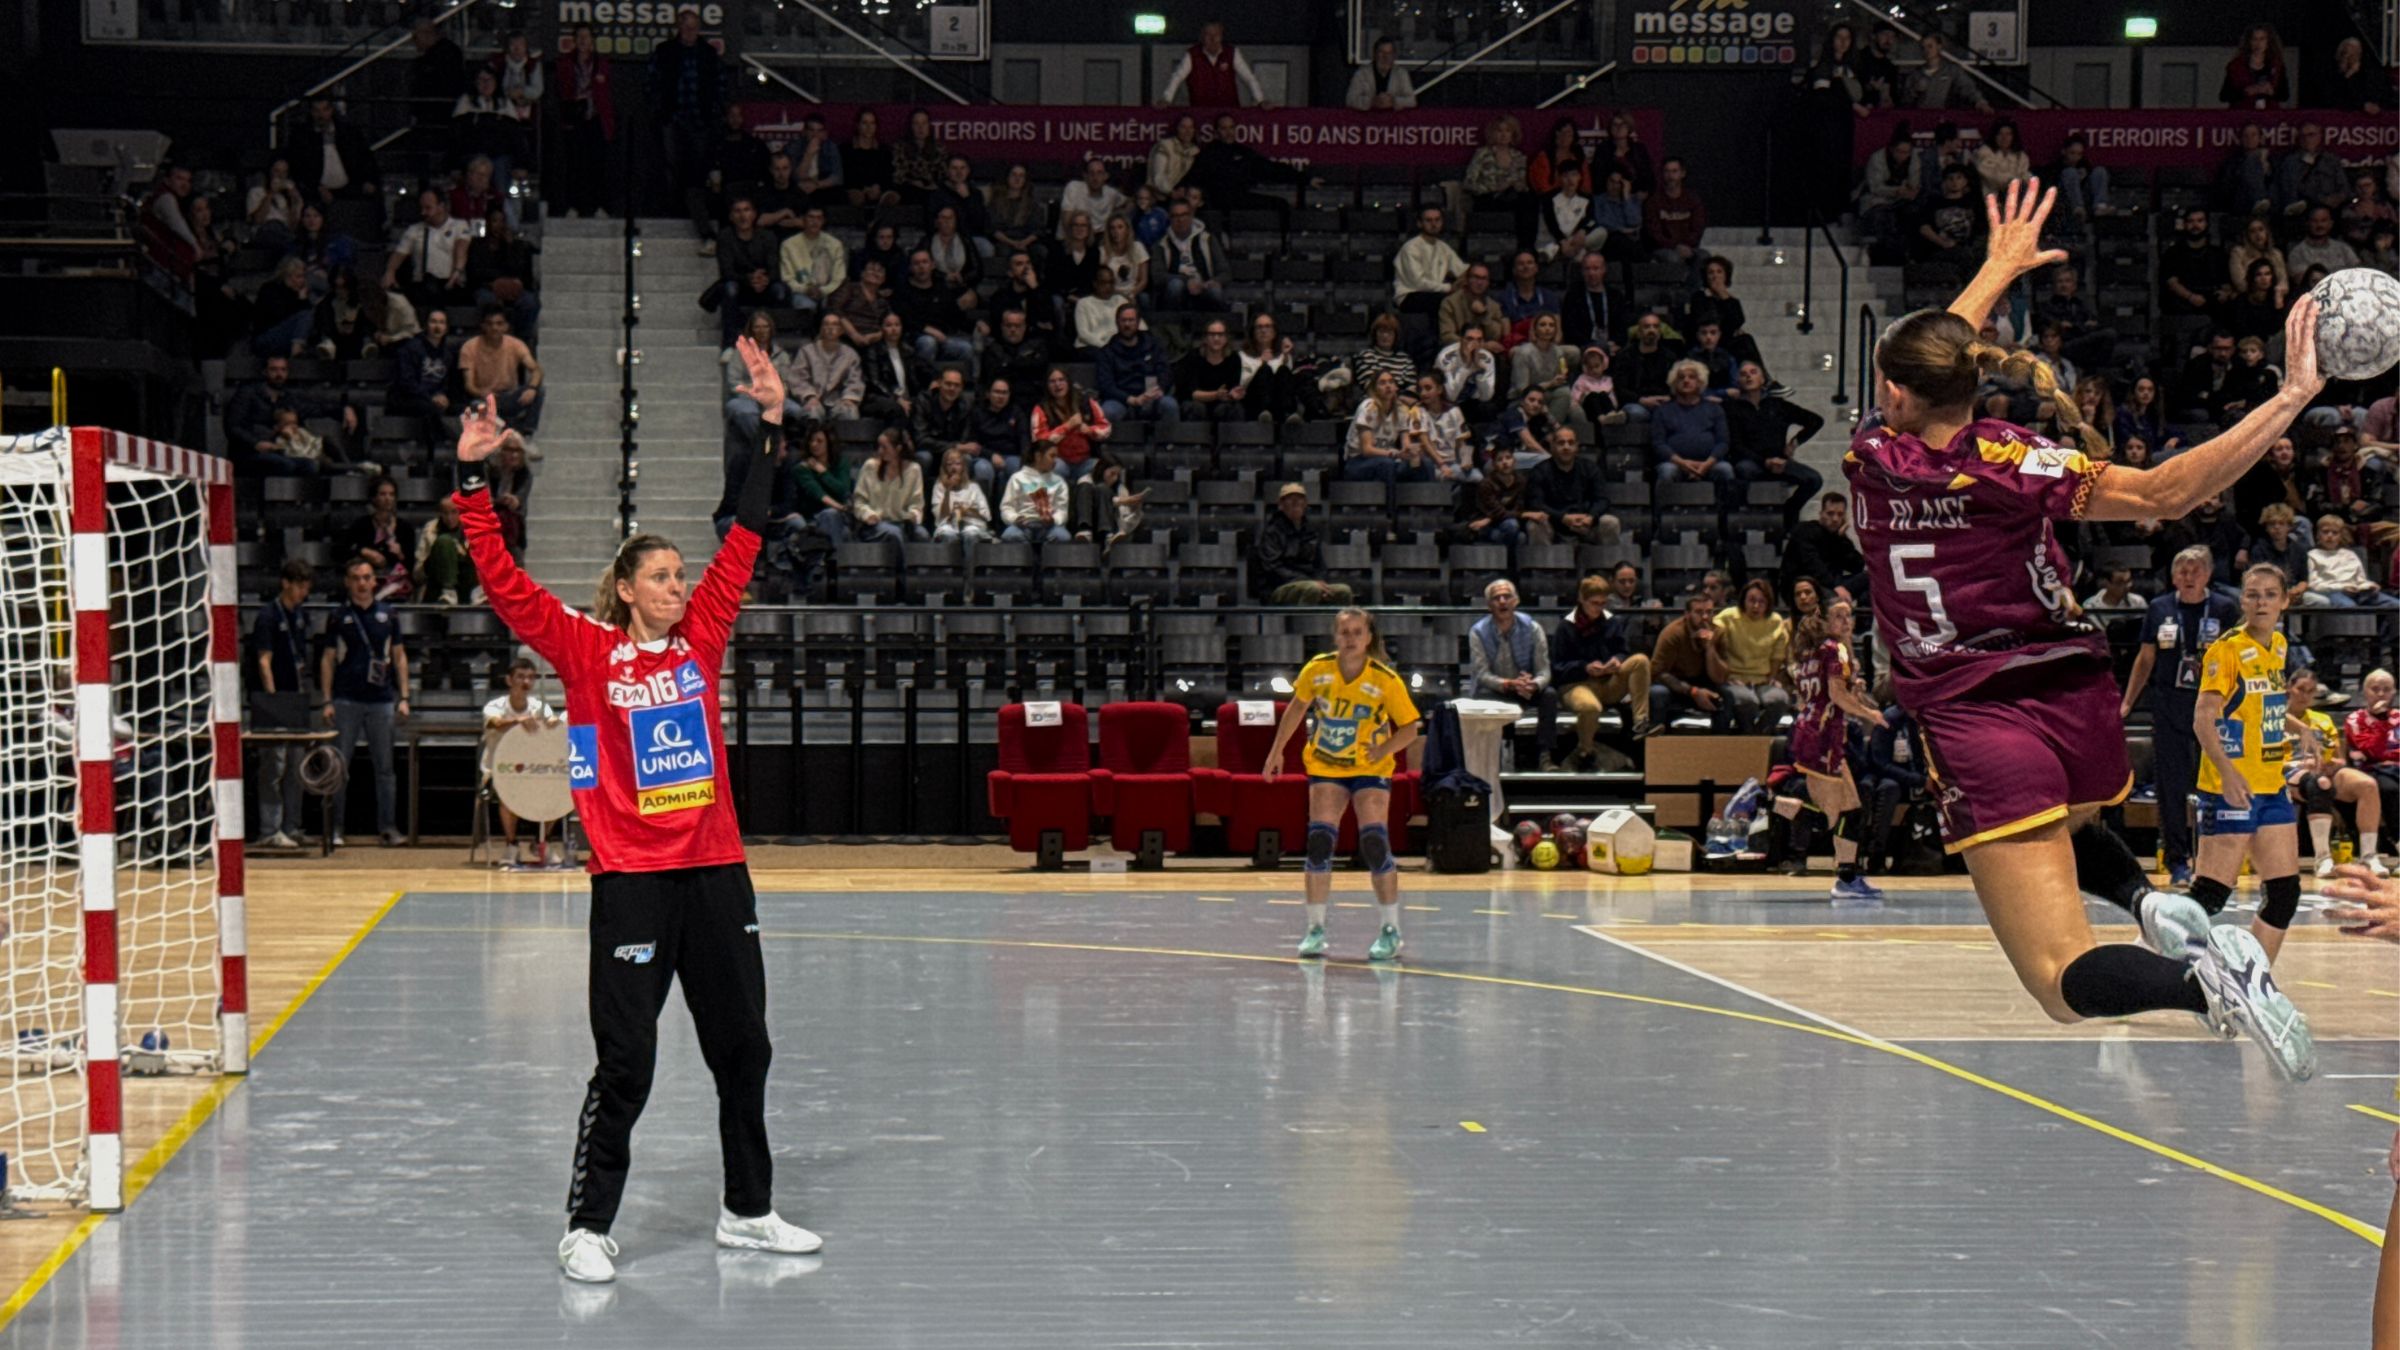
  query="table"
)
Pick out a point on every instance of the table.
point(1480, 724)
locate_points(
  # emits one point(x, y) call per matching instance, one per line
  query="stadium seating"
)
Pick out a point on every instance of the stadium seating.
point(1043, 787)
point(1267, 820)
point(1144, 784)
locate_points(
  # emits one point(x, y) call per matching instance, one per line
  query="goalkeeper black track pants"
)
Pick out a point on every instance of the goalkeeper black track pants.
point(699, 925)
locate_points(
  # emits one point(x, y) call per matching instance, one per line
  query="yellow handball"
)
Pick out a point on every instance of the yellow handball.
point(1545, 855)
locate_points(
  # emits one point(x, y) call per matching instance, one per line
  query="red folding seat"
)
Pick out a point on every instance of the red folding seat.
point(1265, 820)
point(1144, 782)
point(1043, 787)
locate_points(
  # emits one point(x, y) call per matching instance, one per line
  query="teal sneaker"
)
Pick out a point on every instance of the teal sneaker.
point(1312, 943)
point(1387, 945)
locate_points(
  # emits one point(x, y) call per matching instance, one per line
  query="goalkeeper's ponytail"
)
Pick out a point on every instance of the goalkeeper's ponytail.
point(608, 606)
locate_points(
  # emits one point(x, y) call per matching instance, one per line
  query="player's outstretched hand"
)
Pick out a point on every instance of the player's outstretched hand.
point(2300, 374)
point(479, 430)
point(2369, 905)
point(2016, 238)
point(765, 384)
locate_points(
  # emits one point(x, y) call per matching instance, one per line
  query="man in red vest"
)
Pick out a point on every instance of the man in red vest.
point(1213, 69)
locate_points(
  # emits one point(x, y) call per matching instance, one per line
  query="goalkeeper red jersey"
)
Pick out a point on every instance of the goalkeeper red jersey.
point(645, 751)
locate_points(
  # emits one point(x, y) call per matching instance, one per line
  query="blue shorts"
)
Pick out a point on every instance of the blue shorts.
point(1353, 786)
point(2266, 808)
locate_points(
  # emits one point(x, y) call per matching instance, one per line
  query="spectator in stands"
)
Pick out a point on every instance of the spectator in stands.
point(1508, 659)
point(2211, 382)
point(1821, 550)
point(1135, 381)
point(331, 160)
point(1271, 383)
point(2368, 210)
point(324, 249)
point(2116, 594)
point(2352, 486)
point(1877, 73)
point(273, 209)
point(2257, 310)
point(1941, 83)
point(494, 362)
point(294, 441)
point(1015, 214)
point(433, 254)
point(999, 432)
point(484, 126)
point(1708, 352)
point(1594, 313)
point(2001, 159)
point(2310, 176)
point(817, 165)
point(2082, 338)
point(1689, 437)
point(1674, 219)
point(746, 267)
point(1527, 428)
point(1383, 352)
point(2082, 185)
point(2353, 86)
point(1171, 158)
point(1625, 588)
point(955, 257)
point(2257, 246)
point(1096, 316)
point(2143, 415)
point(421, 371)
point(2318, 246)
point(512, 490)
point(1076, 259)
point(1287, 564)
point(378, 538)
point(1497, 515)
point(1562, 147)
point(687, 99)
point(284, 312)
point(1211, 69)
point(2254, 77)
point(1831, 99)
point(350, 322)
point(279, 644)
point(437, 75)
point(861, 304)
point(960, 510)
point(1472, 303)
point(1426, 268)
point(1448, 446)
point(1525, 296)
point(1125, 260)
point(520, 73)
point(2276, 480)
point(1716, 303)
point(812, 264)
point(1763, 439)
point(1566, 500)
point(1188, 270)
point(1209, 377)
point(1687, 671)
point(1755, 644)
point(827, 376)
point(1104, 507)
point(1069, 420)
point(2279, 544)
point(1149, 215)
point(1950, 227)
point(742, 412)
point(939, 317)
point(823, 485)
point(1595, 390)
point(1496, 172)
point(1887, 195)
point(1093, 195)
point(587, 115)
point(2246, 179)
point(1470, 374)
point(1563, 221)
point(443, 568)
point(1542, 364)
point(1034, 509)
point(1594, 668)
point(363, 670)
point(500, 271)
point(250, 421)
point(1018, 353)
point(944, 419)
point(897, 376)
point(867, 179)
point(1386, 444)
point(1645, 366)
point(1617, 220)
point(888, 500)
point(779, 199)
point(2175, 633)
point(475, 193)
point(1382, 84)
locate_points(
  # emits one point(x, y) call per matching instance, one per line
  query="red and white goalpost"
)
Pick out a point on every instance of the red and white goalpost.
point(120, 793)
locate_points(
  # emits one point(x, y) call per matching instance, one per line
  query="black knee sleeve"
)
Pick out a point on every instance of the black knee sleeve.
point(1852, 825)
point(2212, 893)
point(2105, 867)
point(2281, 903)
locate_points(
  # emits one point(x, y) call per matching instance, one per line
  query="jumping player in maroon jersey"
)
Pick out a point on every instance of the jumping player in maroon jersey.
point(671, 895)
point(2011, 684)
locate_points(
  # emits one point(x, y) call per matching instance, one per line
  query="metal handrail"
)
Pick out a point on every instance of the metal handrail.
point(1866, 358)
point(629, 407)
point(1965, 60)
point(1808, 281)
point(880, 50)
point(1577, 85)
point(766, 72)
point(1495, 44)
point(275, 118)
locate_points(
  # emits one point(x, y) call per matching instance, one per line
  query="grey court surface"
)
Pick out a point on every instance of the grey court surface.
point(1012, 1144)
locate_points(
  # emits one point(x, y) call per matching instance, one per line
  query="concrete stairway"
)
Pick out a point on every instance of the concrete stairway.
point(571, 525)
point(681, 438)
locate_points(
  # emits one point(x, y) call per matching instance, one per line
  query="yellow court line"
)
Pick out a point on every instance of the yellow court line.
point(1548, 915)
point(2315, 984)
point(2379, 1115)
point(2384, 993)
point(146, 1169)
point(1423, 909)
point(1470, 1127)
point(1491, 911)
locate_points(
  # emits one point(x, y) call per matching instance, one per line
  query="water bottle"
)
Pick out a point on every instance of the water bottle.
point(1719, 837)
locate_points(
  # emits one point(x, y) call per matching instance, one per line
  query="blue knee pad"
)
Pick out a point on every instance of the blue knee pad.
point(1375, 846)
point(1320, 846)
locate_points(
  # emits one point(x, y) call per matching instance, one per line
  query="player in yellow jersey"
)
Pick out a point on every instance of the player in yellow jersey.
point(2322, 776)
point(2244, 749)
point(1361, 720)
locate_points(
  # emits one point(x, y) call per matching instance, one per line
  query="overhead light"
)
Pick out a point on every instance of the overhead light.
point(2140, 28)
point(1149, 25)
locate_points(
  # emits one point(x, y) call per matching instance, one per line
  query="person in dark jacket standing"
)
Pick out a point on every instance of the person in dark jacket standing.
point(1821, 551)
point(687, 98)
point(1764, 432)
point(1889, 768)
point(1287, 565)
point(1593, 667)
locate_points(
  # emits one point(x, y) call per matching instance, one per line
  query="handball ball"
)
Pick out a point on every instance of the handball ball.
point(1527, 834)
point(2358, 323)
point(1545, 855)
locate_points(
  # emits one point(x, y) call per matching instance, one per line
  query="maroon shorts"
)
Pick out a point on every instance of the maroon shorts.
point(2023, 748)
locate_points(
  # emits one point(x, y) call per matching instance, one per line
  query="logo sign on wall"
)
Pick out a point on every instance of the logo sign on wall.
point(1714, 34)
point(623, 28)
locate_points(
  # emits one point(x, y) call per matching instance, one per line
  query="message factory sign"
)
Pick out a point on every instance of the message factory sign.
point(1713, 34)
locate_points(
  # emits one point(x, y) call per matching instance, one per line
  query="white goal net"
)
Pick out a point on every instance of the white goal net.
point(119, 761)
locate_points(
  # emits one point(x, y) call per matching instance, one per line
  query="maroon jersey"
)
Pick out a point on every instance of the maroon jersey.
point(1819, 735)
point(1968, 575)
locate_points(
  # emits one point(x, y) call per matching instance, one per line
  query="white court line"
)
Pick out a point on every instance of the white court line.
point(1744, 990)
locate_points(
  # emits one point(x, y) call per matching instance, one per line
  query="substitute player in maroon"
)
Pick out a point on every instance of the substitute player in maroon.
point(671, 896)
point(2011, 684)
point(1825, 681)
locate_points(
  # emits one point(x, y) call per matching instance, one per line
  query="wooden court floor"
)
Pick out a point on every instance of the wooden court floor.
point(1883, 974)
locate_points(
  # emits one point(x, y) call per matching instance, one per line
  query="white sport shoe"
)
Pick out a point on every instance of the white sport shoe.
point(2173, 925)
point(766, 1233)
point(2242, 996)
point(2325, 868)
point(584, 1255)
point(279, 839)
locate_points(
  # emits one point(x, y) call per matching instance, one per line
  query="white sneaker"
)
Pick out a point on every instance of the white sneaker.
point(766, 1233)
point(584, 1255)
point(2325, 868)
point(279, 839)
point(2173, 925)
point(2242, 996)
point(2375, 865)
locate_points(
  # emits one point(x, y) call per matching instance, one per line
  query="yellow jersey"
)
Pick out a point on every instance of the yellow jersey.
point(2329, 736)
point(2251, 730)
point(1346, 714)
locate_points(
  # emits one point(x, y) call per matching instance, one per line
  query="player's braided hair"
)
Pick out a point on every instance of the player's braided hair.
point(1936, 355)
point(609, 607)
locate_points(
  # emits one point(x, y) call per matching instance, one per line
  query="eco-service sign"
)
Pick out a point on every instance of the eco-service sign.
point(1718, 34)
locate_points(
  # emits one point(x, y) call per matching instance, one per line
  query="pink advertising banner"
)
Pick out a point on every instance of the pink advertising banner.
point(1437, 139)
point(2121, 138)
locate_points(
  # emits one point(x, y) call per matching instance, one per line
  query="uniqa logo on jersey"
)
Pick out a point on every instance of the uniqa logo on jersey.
point(674, 766)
